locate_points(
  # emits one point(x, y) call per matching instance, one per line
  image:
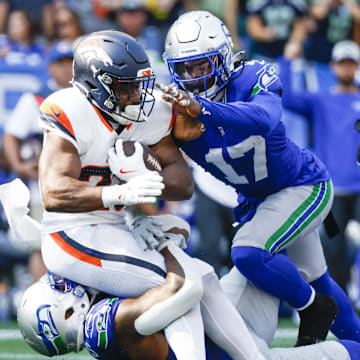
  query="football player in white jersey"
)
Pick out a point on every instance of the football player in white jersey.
point(84, 234)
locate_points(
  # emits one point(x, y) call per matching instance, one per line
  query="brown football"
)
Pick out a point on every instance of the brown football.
point(151, 160)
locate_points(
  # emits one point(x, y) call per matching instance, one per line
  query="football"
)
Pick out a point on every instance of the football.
point(151, 160)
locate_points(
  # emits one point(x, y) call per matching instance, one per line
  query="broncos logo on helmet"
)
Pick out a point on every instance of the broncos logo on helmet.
point(114, 73)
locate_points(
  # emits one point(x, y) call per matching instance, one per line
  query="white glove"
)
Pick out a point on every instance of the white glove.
point(176, 239)
point(141, 189)
point(146, 231)
point(126, 167)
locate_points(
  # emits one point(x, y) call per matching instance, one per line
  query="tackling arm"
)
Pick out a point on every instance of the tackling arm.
point(154, 346)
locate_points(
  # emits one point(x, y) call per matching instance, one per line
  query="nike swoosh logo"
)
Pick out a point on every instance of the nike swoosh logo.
point(55, 113)
point(126, 172)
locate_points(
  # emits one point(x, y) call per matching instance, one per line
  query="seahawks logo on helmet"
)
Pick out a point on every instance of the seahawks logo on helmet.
point(49, 332)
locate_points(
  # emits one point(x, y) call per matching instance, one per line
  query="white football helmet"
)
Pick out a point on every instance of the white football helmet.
point(51, 315)
point(198, 52)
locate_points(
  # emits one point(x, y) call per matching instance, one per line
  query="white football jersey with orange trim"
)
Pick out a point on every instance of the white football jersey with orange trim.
point(67, 113)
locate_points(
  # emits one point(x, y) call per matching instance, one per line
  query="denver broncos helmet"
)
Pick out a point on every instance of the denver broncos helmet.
point(112, 69)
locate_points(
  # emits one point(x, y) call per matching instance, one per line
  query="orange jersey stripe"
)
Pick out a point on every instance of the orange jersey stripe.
point(74, 252)
point(56, 112)
point(172, 118)
point(108, 126)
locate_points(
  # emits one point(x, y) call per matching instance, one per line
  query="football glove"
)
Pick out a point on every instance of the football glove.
point(140, 189)
point(126, 167)
point(147, 232)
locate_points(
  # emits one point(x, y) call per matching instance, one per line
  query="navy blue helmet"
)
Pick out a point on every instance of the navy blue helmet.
point(114, 72)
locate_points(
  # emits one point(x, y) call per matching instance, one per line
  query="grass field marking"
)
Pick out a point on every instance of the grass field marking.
point(10, 334)
point(291, 333)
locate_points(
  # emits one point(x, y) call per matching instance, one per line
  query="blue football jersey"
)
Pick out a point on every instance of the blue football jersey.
point(100, 339)
point(245, 143)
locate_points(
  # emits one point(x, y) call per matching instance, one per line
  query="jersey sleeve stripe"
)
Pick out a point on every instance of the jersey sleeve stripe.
point(172, 118)
point(52, 122)
point(107, 125)
point(59, 115)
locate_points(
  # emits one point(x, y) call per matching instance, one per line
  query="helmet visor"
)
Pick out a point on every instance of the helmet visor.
point(138, 91)
point(197, 75)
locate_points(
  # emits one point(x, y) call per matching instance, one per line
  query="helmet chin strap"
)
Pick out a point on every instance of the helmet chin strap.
point(211, 90)
point(129, 115)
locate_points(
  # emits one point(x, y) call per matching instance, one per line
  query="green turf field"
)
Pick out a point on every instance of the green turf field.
point(12, 346)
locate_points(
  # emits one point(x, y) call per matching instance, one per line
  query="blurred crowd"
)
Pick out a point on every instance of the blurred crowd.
point(36, 42)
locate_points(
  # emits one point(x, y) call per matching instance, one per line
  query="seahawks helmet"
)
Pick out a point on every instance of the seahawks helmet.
point(198, 52)
point(112, 69)
point(51, 315)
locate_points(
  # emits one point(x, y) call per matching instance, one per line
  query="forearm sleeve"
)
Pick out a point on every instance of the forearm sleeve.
point(164, 312)
point(261, 113)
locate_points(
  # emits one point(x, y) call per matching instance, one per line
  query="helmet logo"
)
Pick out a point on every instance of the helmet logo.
point(48, 331)
point(93, 52)
point(144, 72)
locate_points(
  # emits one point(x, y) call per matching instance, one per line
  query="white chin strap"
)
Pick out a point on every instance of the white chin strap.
point(212, 89)
point(129, 115)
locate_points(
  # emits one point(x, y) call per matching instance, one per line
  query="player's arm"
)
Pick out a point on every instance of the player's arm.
point(259, 114)
point(61, 189)
point(176, 173)
point(153, 346)
point(299, 102)
point(59, 172)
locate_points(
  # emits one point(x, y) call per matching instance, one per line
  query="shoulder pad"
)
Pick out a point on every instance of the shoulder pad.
point(257, 76)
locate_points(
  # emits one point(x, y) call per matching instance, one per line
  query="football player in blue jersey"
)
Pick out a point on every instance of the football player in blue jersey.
point(57, 316)
point(229, 122)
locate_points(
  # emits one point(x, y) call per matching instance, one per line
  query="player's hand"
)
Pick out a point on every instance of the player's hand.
point(147, 232)
point(177, 239)
point(187, 128)
point(126, 167)
point(183, 102)
point(141, 189)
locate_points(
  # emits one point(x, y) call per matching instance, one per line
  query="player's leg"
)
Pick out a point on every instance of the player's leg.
point(185, 336)
point(308, 256)
point(279, 221)
point(223, 324)
point(329, 350)
point(259, 309)
point(105, 257)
